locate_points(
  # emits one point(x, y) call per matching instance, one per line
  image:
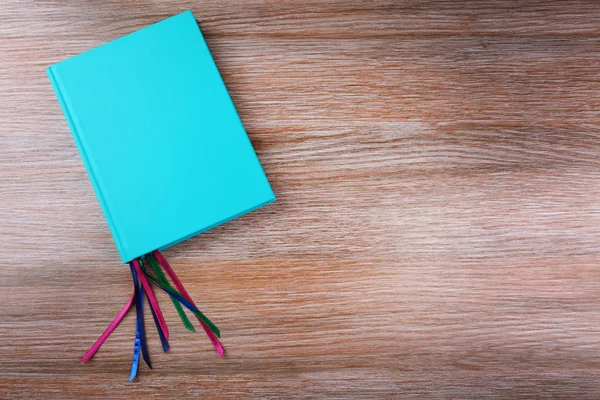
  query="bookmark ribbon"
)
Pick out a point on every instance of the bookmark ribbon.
point(169, 290)
point(139, 310)
point(151, 298)
point(135, 362)
point(113, 325)
point(161, 335)
point(142, 288)
point(213, 338)
point(160, 276)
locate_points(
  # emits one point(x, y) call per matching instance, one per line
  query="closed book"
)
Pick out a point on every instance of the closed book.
point(161, 140)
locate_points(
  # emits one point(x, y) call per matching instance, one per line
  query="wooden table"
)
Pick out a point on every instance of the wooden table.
point(437, 229)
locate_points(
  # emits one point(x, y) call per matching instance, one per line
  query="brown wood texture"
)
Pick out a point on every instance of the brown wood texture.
point(437, 228)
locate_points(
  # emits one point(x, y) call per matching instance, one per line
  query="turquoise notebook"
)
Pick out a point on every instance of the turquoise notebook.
point(160, 138)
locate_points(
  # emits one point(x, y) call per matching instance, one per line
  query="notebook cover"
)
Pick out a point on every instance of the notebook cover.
point(162, 143)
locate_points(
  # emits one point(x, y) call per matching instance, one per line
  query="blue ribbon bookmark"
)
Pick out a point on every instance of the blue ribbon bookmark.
point(161, 335)
point(140, 323)
point(136, 355)
point(136, 344)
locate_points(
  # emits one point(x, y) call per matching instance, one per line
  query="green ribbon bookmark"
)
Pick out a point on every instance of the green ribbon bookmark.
point(160, 277)
point(186, 304)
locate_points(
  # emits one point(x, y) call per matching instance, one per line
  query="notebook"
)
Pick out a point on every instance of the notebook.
point(160, 138)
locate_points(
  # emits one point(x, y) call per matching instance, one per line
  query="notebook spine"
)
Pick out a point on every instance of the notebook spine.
point(87, 161)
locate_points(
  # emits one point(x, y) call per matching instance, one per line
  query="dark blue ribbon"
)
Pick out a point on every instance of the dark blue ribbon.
point(140, 332)
point(173, 293)
point(161, 335)
point(186, 304)
point(137, 343)
point(140, 324)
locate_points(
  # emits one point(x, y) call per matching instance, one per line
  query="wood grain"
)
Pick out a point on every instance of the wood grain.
point(437, 228)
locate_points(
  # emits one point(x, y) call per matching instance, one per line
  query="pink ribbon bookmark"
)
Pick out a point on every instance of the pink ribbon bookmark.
point(213, 338)
point(90, 353)
point(151, 299)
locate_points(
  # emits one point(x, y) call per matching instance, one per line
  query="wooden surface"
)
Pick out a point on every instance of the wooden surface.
point(437, 229)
